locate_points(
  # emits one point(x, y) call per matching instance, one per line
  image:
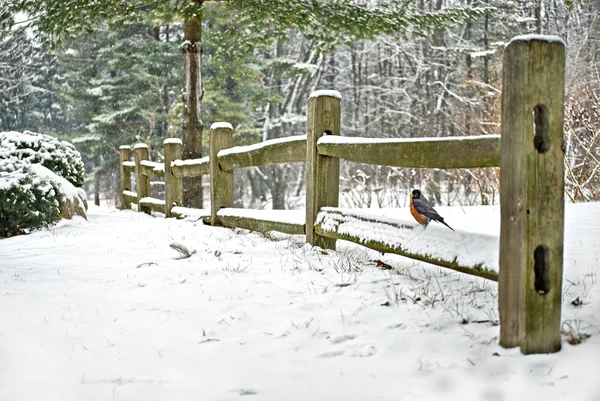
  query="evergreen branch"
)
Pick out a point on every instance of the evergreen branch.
point(184, 252)
point(330, 20)
point(324, 20)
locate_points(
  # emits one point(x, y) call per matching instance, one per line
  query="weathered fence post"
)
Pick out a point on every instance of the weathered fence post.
point(173, 185)
point(532, 194)
point(125, 156)
point(322, 172)
point(221, 182)
point(142, 181)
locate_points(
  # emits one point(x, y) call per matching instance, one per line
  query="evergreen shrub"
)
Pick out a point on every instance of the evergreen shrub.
point(32, 195)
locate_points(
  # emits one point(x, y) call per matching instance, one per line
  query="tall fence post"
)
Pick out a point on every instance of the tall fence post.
point(142, 181)
point(322, 172)
point(532, 194)
point(173, 185)
point(221, 182)
point(125, 156)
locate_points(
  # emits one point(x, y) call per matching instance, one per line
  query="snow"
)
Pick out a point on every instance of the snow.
point(68, 189)
point(155, 165)
point(124, 147)
point(33, 147)
point(10, 176)
point(221, 125)
point(543, 38)
point(338, 139)
point(435, 241)
point(94, 91)
point(130, 193)
point(152, 201)
point(172, 140)
point(260, 145)
point(128, 163)
point(190, 212)
point(102, 309)
point(190, 162)
point(88, 138)
point(483, 53)
point(140, 146)
point(330, 93)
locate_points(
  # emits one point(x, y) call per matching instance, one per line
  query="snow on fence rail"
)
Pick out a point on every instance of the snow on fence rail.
point(528, 261)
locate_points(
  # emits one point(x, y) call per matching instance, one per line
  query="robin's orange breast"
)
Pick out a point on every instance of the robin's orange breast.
point(418, 216)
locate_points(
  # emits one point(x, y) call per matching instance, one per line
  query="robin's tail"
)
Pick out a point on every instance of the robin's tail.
point(444, 223)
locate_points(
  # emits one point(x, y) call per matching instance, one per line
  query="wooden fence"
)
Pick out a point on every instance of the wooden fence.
point(530, 155)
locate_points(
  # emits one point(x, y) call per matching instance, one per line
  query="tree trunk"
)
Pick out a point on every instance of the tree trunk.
point(192, 101)
point(97, 188)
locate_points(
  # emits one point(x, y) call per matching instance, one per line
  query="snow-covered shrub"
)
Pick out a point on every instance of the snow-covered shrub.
point(32, 196)
point(26, 202)
point(59, 156)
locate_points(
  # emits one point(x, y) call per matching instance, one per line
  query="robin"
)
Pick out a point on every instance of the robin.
point(422, 210)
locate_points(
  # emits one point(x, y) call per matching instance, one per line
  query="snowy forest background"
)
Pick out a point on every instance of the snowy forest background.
point(122, 84)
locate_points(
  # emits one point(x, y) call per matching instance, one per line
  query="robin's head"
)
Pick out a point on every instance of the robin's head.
point(416, 194)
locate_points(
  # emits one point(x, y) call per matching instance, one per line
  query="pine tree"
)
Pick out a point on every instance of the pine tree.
point(29, 76)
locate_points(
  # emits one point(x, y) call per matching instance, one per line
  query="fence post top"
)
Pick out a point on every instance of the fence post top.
point(539, 38)
point(328, 93)
point(221, 125)
point(124, 147)
point(170, 141)
point(140, 146)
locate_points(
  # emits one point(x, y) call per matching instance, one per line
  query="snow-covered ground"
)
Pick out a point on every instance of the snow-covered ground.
point(101, 310)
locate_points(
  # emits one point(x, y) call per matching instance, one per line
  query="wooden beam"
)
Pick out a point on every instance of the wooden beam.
point(228, 218)
point(125, 156)
point(532, 194)
point(191, 167)
point(221, 182)
point(453, 152)
point(158, 205)
point(142, 181)
point(411, 240)
point(153, 169)
point(130, 196)
point(129, 167)
point(173, 185)
point(322, 172)
point(285, 150)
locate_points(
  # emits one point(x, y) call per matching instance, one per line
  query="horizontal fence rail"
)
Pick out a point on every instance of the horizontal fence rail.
point(153, 169)
point(462, 251)
point(190, 167)
point(285, 221)
point(274, 151)
point(447, 153)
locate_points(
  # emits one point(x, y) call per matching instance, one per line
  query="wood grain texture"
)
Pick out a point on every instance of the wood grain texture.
point(124, 156)
point(322, 172)
point(255, 224)
point(130, 196)
point(157, 205)
point(191, 168)
point(173, 184)
point(277, 152)
point(148, 169)
point(142, 181)
point(532, 194)
point(462, 152)
point(221, 181)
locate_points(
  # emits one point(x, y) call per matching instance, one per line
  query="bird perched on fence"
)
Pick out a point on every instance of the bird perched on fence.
point(422, 211)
